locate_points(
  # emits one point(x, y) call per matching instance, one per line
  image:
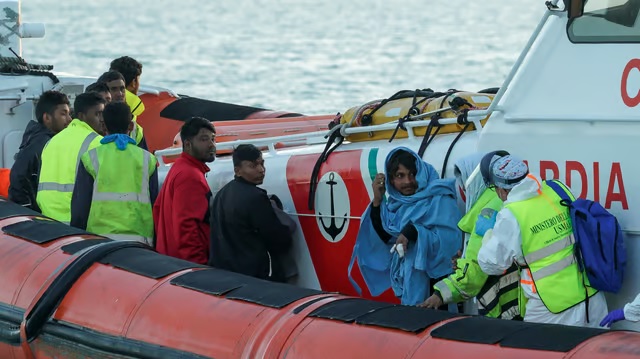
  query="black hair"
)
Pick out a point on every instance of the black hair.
point(117, 117)
point(97, 87)
point(128, 67)
point(401, 157)
point(192, 126)
point(245, 153)
point(110, 76)
point(85, 101)
point(48, 102)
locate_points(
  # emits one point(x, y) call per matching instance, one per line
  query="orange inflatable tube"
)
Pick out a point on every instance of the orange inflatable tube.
point(66, 293)
point(164, 115)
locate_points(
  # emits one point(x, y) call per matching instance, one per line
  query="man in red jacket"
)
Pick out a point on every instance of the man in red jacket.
point(180, 214)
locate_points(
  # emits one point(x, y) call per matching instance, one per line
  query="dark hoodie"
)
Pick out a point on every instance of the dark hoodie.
point(26, 168)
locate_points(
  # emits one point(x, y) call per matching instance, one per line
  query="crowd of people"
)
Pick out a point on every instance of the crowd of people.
point(89, 166)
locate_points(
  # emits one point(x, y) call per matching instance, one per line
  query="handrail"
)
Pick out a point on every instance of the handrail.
point(308, 138)
point(516, 66)
point(154, 90)
point(17, 98)
point(391, 125)
point(317, 137)
point(594, 119)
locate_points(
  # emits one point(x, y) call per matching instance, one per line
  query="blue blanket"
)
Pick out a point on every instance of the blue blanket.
point(434, 212)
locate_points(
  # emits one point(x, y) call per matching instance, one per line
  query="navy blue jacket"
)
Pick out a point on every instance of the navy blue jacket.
point(26, 168)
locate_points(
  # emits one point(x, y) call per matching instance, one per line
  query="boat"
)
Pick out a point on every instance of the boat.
point(70, 294)
point(548, 114)
point(546, 111)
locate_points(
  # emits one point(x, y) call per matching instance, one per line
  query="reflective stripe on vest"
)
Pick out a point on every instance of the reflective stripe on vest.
point(550, 249)
point(52, 186)
point(137, 133)
point(134, 132)
point(141, 197)
point(129, 237)
point(445, 292)
point(553, 268)
point(66, 187)
point(491, 294)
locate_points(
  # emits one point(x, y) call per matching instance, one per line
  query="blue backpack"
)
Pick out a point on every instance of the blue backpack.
point(599, 246)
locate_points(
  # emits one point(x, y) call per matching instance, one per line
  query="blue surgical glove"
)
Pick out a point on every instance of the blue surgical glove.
point(483, 224)
point(612, 317)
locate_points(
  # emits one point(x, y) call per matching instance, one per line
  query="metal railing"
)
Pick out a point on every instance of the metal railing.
point(307, 138)
point(319, 137)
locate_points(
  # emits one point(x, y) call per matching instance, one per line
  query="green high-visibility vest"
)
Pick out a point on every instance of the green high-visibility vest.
point(121, 201)
point(60, 159)
point(498, 296)
point(548, 250)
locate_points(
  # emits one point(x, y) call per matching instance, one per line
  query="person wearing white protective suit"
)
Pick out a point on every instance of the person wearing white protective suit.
point(535, 231)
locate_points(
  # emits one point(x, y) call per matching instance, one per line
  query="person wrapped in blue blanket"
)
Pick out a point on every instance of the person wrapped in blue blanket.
point(407, 240)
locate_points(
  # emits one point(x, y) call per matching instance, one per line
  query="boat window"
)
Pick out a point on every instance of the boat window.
point(607, 21)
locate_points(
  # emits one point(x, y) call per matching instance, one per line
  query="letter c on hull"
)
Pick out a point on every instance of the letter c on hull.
point(626, 73)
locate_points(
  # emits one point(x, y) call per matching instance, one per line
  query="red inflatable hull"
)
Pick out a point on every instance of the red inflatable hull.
point(69, 294)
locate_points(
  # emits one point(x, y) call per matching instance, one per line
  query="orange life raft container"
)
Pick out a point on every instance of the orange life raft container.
point(66, 293)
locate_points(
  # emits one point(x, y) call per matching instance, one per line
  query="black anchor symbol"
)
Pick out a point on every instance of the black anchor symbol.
point(332, 229)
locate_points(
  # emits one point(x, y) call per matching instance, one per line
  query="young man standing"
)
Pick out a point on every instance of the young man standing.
point(101, 89)
point(180, 213)
point(116, 184)
point(246, 235)
point(52, 115)
point(131, 70)
point(115, 83)
point(61, 156)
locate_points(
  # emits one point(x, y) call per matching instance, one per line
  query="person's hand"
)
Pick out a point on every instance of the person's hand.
point(433, 301)
point(454, 260)
point(483, 224)
point(402, 241)
point(613, 316)
point(378, 189)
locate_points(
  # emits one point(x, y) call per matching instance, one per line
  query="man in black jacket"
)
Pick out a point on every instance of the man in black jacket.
point(246, 235)
point(53, 115)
